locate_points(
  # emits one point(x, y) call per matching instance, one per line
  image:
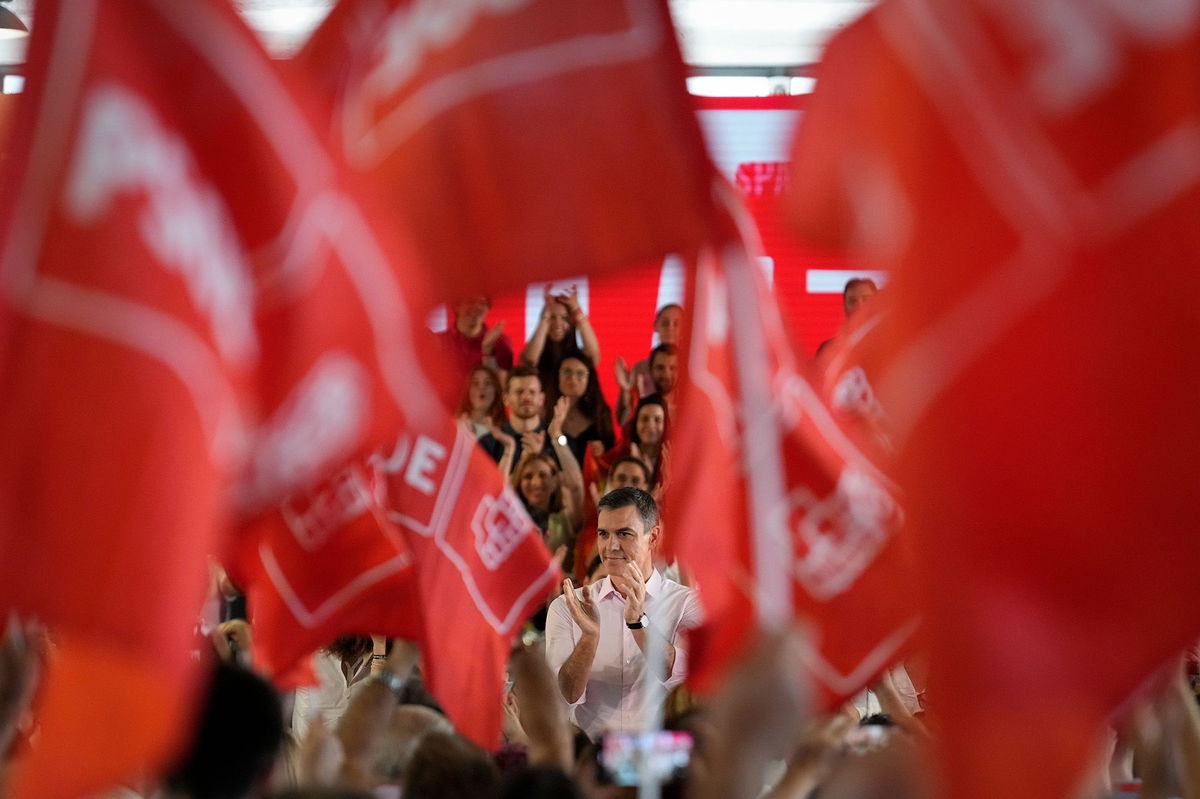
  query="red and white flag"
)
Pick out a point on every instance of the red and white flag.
point(482, 569)
point(787, 520)
point(1030, 172)
point(198, 319)
point(427, 543)
point(326, 563)
point(521, 140)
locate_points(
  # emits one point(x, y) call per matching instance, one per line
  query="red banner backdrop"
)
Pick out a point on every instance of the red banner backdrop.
point(805, 280)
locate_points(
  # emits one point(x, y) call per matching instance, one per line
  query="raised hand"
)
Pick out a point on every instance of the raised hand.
point(561, 408)
point(490, 337)
point(320, 757)
point(583, 611)
point(624, 376)
point(659, 492)
point(507, 441)
point(570, 298)
point(21, 654)
point(233, 641)
point(631, 584)
point(533, 441)
point(548, 299)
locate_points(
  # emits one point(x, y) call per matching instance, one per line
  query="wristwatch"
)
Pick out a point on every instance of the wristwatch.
point(393, 682)
point(639, 624)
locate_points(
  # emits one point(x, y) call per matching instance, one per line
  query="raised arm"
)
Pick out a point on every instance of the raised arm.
point(591, 344)
point(573, 660)
point(541, 712)
point(572, 475)
point(361, 728)
point(625, 398)
point(532, 352)
point(510, 447)
point(488, 344)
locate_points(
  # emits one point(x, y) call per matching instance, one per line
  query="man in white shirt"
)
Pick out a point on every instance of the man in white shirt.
point(596, 636)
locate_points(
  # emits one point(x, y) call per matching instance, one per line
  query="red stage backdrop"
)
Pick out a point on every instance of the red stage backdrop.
point(748, 138)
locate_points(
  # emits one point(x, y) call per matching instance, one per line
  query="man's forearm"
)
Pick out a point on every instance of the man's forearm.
point(640, 637)
point(573, 674)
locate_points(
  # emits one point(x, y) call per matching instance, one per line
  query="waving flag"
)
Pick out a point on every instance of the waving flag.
point(1030, 172)
point(197, 321)
point(482, 569)
point(325, 563)
point(788, 520)
point(522, 140)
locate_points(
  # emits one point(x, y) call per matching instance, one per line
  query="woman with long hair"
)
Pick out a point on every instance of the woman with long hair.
point(647, 433)
point(589, 418)
point(341, 669)
point(482, 406)
point(554, 338)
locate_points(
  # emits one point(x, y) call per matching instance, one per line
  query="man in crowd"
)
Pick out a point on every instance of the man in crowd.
point(663, 372)
point(473, 342)
point(597, 636)
point(855, 295)
point(524, 398)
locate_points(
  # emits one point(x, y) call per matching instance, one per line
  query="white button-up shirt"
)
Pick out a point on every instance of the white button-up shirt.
point(612, 699)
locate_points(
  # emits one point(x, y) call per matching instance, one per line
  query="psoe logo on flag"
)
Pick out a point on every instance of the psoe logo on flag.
point(328, 509)
point(838, 536)
point(500, 525)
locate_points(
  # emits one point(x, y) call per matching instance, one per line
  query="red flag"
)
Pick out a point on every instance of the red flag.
point(787, 519)
point(428, 543)
point(522, 140)
point(325, 563)
point(1029, 170)
point(197, 321)
point(482, 568)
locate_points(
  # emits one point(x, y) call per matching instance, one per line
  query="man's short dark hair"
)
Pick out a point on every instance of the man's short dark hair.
point(859, 281)
point(658, 314)
point(665, 349)
point(524, 370)
point(626, 496)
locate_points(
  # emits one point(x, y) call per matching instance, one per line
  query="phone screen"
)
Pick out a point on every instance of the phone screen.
point(665, 755)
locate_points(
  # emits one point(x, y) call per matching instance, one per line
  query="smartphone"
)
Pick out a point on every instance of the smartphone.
point(663, 754)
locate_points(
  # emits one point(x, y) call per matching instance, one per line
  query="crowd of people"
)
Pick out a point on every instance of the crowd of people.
point(601, 664)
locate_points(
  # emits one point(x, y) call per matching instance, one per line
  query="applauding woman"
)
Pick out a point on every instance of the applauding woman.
point(554, 338)
point(589, 418)
point(482, 407)
point(648, 434)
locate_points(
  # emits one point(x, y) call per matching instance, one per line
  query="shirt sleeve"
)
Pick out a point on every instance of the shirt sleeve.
point(560, 640)
point(691, 616)
point(558, 634)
